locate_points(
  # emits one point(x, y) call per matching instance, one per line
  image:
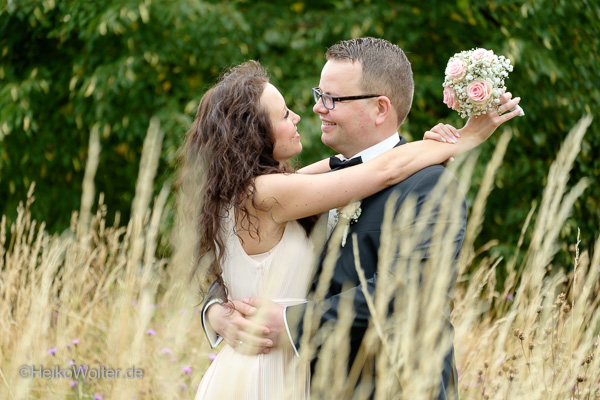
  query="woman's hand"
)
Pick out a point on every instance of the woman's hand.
point(480, 128)
point(442, 133)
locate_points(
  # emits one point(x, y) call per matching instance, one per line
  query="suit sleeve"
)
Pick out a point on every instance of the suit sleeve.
point(294, 315)
point(216, 294)
point(420, 186)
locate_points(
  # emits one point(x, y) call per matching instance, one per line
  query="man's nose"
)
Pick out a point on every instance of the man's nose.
point(320, 108)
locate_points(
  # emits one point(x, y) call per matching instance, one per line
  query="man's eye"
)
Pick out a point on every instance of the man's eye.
point(287, 114)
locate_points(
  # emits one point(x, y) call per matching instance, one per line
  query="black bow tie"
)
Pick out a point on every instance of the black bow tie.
point(335, 163)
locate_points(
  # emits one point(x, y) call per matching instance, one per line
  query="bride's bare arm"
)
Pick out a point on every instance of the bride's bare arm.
point(315, 168)
point(441, 132)
point(293, 196)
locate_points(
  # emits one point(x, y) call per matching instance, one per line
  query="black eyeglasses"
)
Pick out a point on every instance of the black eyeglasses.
point(329, 101)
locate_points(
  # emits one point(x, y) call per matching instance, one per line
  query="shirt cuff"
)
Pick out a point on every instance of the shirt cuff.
point(213, 337)
point(287, 328)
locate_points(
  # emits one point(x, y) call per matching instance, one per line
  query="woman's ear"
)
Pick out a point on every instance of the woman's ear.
point(384, 110)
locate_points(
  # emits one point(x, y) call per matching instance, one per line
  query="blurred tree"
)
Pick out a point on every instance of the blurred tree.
point(69, 66)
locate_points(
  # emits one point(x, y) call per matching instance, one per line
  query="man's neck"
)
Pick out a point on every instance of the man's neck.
point(377, 149)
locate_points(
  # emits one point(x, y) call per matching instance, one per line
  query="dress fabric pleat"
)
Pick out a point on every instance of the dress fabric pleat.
point(281, 275)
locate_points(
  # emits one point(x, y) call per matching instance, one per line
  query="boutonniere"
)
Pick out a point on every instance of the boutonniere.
point(350, 213)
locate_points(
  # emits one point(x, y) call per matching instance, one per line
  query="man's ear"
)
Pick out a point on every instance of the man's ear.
point(384, 110)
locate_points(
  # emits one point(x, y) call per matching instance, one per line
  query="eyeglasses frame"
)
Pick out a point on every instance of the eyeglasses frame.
point(319, 95)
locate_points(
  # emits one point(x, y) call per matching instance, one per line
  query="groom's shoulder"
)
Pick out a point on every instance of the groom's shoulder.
point(426, 178)
point(420, 182)
point(423, 182)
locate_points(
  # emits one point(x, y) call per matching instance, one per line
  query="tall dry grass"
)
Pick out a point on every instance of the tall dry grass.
point(537, 337)
point(98, 295)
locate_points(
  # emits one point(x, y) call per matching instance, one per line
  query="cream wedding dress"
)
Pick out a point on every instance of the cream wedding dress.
point(282, 275)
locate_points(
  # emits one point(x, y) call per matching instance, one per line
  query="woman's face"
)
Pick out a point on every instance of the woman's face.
point(284, 121)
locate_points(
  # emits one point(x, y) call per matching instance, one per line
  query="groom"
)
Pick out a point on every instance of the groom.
point(364, 95)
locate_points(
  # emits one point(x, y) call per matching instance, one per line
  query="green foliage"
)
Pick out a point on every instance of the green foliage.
point(68, 66)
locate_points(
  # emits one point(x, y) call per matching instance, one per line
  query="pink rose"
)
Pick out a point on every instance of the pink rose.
point(479, 54)
point(456, 69)
point(479, 91)
point(450, 98)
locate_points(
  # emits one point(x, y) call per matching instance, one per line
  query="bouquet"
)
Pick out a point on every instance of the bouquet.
point(474, 81)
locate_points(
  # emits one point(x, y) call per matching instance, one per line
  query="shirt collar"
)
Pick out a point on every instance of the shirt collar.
point(377, 149)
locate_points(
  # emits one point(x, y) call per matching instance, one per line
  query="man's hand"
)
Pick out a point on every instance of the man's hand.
point(269, 314)
point(482, 126)
point(241, 333)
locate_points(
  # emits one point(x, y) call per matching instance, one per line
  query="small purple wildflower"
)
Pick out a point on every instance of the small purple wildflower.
point(510, 297)
point(75, 342)
point(151, 332)
point(71, 363)
point(212, 356)
point(52, 351)
point(165, 350)
point(186, 370)
point(73, 383)
point(98, 397)
point(183, 386)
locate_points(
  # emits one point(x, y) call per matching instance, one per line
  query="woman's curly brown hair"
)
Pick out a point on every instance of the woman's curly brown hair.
point(232, 139)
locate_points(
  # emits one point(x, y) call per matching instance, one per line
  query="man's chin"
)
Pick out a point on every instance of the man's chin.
point(327, 139)
point(329, 142)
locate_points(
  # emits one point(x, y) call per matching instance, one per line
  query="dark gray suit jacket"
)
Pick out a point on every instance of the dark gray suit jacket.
point(345, 281)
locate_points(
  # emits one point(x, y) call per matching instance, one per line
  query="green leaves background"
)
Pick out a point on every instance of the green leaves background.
point(70, 66)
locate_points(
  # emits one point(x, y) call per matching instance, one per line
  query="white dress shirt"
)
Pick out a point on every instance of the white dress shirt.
point(366, 155)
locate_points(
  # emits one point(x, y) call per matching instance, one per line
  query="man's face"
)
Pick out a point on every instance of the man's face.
point(345, 128)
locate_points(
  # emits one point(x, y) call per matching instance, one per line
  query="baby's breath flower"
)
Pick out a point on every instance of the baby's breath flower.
point(479, 65)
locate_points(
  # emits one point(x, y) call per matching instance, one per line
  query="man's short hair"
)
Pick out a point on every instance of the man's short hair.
point(385, 69)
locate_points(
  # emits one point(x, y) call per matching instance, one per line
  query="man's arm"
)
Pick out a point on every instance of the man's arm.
point(227, 321)
point(215, 295)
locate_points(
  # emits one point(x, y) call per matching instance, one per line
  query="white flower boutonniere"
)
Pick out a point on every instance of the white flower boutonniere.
point(350, 213)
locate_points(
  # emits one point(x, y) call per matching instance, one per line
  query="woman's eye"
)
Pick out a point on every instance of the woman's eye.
point(287, 114)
